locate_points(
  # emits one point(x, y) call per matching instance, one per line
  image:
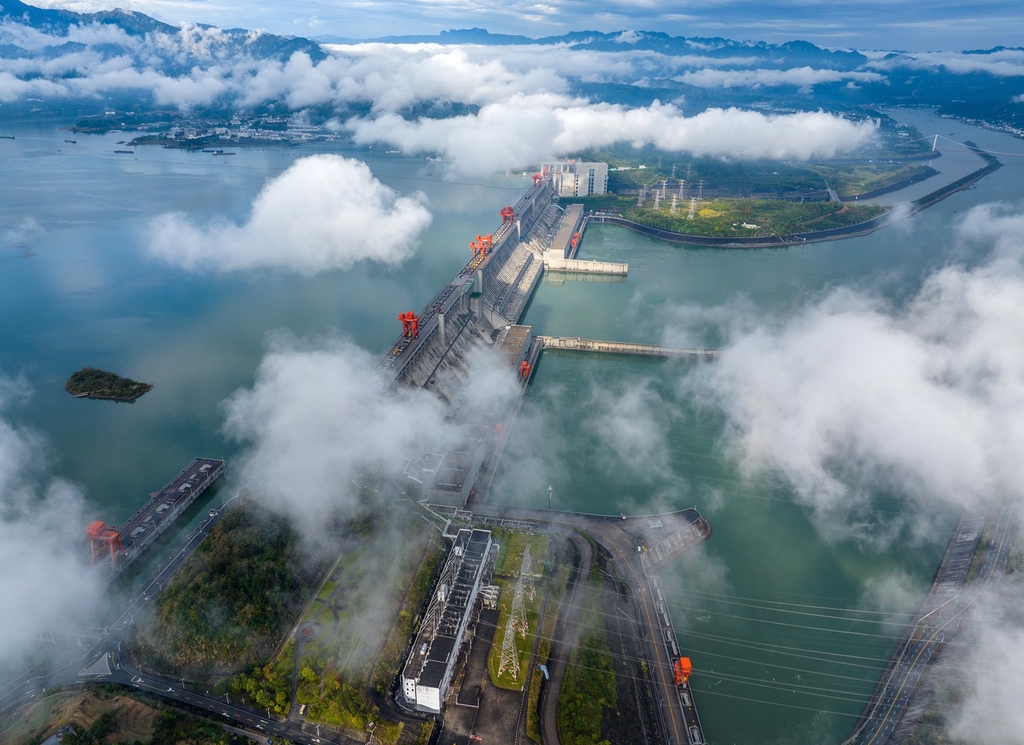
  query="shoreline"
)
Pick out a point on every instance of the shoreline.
point(866, 227)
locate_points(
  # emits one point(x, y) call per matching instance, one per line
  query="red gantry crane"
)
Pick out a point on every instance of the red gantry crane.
point(99, 533)
point(682, 669)
point(410, 324)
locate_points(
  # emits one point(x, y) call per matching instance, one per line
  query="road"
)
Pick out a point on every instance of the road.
point(930, 631)
point(561, 645)
point(106, 662)
point(611, 533)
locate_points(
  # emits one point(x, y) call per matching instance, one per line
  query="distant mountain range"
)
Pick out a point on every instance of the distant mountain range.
point(118, 55)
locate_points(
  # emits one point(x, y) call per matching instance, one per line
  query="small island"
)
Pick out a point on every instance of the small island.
point(92, 383)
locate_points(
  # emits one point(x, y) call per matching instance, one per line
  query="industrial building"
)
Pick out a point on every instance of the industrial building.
point(428, 671)
point(573, 178)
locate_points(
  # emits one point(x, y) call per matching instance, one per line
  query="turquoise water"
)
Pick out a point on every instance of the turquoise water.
point(768, 609)
point(82, 292)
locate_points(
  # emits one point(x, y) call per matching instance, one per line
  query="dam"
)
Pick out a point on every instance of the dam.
point(475, 317)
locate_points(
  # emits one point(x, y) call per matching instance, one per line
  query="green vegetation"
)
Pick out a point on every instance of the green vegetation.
point(401, 631)
point(173, 728)
point(268, 686)
point(230, 603)
point(510, 558)
point(93, 383)
point(853, 179)
point(737, 218)
point(589, 690)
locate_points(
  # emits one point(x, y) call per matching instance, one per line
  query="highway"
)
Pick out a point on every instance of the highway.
point(931, 628)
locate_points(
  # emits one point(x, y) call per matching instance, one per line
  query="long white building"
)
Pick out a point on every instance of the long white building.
point(428, 671)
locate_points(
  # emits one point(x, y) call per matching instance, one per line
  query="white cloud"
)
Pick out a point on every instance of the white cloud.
point(44, 575)
point(318, 417)
point(525, 131)
point(319, 420)
point(24, 232)
point(987, 708)
point(798, 76)
point(851, 396)
point(1001, 63)
point(325, 212)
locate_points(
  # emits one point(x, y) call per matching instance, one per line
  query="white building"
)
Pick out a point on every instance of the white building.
point(577, 178)
point(428, 671)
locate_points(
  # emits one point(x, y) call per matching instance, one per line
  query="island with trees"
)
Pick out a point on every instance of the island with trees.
point(92, 383)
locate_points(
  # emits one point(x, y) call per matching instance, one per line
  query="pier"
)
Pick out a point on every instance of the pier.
point(561, 256)
point(138, 532)
point(578, 344)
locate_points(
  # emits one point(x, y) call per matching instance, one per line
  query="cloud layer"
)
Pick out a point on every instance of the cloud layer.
point(325, 212)
point(852, 396)
point(519, 133)
point(45, 579)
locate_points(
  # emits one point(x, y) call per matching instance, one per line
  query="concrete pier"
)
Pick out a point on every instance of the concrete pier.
point(577, 344)
point(556, 264)
point(561, 256)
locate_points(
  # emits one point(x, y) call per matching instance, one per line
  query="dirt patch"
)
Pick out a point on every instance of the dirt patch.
point(134, 720)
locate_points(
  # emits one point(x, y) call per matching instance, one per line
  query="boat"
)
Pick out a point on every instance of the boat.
point(128, 152)
point(73, 142)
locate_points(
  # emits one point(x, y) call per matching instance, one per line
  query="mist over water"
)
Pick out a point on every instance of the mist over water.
point(607, 434)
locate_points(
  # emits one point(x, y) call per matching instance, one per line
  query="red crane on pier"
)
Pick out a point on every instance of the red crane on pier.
point(682, 669)
point(410, 324)
point(537, 178)
point(98, 532)
point(507, 215)
point(524, 370)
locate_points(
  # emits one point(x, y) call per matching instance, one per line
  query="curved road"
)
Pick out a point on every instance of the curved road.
point(565, 630)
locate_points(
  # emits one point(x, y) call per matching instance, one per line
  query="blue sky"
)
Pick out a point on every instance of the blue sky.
point(869, 24)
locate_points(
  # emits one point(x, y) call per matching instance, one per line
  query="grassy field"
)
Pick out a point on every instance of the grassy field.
point(737, 218)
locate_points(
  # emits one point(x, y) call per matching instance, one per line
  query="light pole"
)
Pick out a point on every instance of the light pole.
point(549, 496)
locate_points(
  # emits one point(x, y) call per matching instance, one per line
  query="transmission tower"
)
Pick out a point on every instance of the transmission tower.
point(693, 208)
point(682, 189)
point(509, 654)
point(672, 209)
point(700, 190)
point(518, 617)
point(642, 198)
point(664, 185)
point(526, 572)
point(657, 199)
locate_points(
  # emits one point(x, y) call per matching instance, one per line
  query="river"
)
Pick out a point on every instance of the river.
point(81, 291)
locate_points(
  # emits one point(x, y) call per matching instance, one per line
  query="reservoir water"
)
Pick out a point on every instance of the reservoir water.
point(763, 608)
